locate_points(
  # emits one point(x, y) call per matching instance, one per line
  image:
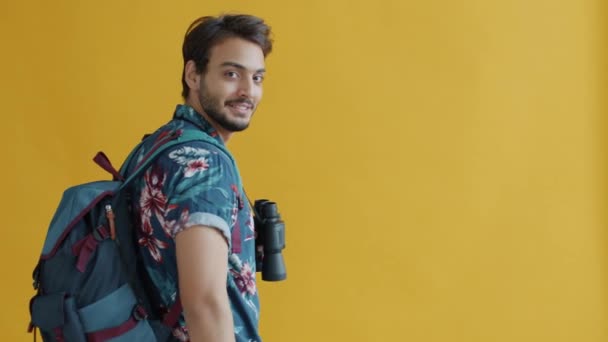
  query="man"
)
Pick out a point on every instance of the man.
point(196, 234)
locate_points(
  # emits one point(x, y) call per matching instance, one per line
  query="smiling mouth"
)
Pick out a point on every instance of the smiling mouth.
point(240, 107)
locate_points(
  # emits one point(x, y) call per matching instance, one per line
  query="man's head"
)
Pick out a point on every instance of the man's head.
point(224, 68)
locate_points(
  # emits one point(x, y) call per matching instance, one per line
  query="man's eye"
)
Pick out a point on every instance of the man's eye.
point(232, 74)
point(258, 79)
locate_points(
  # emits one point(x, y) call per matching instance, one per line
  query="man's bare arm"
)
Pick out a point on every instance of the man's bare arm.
point(202, 254)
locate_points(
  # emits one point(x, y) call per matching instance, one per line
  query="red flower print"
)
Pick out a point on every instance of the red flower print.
point(152, 201)
point(245, 279)
point(234, 216)
point(196, 165)
point(192, 159)
point(181, 333)
point(173, 227)
point(250, 223)
point(155, 178)
point(153, 244)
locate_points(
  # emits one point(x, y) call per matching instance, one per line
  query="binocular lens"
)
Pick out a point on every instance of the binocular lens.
point(273, 268)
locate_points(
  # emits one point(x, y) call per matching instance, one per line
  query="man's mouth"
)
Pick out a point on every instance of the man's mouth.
point(243, 107)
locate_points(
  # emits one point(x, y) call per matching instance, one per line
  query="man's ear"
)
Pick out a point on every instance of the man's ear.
point(192, 76)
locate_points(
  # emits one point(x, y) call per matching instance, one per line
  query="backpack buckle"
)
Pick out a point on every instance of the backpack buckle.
point(100, 234)
point(139, 313)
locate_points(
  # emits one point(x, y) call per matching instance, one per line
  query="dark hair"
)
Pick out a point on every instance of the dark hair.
point(206, 32)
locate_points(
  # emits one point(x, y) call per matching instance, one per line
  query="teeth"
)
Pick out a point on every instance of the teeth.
point(241, 106)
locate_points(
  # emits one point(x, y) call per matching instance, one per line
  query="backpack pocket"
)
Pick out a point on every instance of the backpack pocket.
point(56, 316)
point(117, 317)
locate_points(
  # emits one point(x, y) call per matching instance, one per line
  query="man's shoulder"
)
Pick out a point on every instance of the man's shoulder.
point(194, 150)
point(197, 160)
point(191, 149)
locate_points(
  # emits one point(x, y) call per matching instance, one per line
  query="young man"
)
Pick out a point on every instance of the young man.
point(196, 233)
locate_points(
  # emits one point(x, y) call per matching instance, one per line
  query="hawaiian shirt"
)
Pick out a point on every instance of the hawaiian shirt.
point(188, 185)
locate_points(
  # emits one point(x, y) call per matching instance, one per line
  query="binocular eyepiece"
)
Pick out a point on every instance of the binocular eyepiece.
point(270, 240)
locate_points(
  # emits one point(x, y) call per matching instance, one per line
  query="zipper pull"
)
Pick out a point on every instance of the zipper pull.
point(110, 216)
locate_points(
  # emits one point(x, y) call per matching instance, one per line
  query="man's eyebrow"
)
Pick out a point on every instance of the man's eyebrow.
point(239, 66)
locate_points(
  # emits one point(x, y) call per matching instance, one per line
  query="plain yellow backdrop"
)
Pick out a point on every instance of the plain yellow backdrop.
point(440, 164)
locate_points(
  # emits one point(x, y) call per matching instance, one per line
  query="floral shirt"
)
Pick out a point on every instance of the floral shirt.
point(196, 184)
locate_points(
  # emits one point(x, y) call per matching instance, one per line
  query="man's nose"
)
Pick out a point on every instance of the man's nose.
point(246, 88)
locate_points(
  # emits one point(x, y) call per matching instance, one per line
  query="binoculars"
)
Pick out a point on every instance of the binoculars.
point(269, 241)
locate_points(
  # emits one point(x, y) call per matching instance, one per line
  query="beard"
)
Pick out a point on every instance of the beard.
point(216, 111)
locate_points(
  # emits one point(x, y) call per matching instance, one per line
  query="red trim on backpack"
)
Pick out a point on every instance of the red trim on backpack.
point(59, 334)
point(102, 160)
point(85, 248)
point(139, 313)
point(172, 316)
point(160, 142)
point(72, 224)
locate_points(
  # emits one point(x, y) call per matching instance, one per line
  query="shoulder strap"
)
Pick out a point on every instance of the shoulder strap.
point(170, 140)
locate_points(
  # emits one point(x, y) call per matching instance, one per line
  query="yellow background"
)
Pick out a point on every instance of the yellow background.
point(440, 164)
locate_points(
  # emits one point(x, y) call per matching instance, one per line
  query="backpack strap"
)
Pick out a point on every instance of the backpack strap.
point(167, 141)
point(102, 160)
point(138, 314)
point(171, 318)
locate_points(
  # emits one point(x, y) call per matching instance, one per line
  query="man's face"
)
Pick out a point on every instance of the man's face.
point(231, 87)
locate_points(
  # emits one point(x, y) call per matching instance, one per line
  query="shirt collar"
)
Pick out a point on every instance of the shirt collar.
point(187, 113)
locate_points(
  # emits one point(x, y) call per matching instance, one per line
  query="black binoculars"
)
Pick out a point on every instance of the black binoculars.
point(269, 241)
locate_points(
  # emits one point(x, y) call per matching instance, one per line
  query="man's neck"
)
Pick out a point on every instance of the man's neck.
point(224, 134)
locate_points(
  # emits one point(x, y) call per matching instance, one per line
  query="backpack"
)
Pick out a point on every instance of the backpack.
point(90, 281)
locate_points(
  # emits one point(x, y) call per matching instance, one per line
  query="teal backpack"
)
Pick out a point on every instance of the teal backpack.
point(90, 282)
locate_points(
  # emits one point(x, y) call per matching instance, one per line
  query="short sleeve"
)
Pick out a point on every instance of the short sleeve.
point(198, 188)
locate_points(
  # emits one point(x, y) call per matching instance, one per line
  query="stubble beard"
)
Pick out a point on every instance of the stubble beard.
point(217, 113)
